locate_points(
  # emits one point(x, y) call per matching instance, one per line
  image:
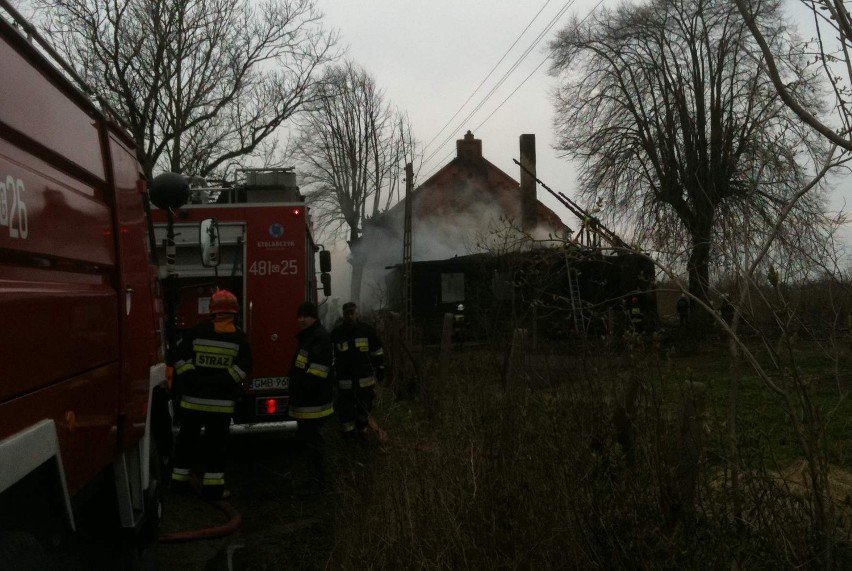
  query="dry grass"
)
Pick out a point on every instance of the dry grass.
point(583, 461)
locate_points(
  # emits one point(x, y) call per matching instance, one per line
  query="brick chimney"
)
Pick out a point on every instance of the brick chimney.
point(469, 148)
point(529, 203)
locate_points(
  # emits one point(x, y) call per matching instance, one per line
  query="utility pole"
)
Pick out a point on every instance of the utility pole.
point(406, 256)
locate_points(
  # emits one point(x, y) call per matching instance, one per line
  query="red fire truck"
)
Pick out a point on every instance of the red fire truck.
point(264, 253)
point(81, 343)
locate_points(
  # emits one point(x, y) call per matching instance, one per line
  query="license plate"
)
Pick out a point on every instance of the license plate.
point(264, 383)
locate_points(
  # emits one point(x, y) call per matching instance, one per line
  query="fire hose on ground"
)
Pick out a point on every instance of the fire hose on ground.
point(235, 519)
point(233, 523)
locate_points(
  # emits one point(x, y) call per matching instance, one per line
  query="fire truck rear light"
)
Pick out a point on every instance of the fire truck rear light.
point(271, 406)
point(297, 211)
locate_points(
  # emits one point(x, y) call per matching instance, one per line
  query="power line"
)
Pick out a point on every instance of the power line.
point(520, 60)
point(481, 83)
point(522, 83)
point(449, 154)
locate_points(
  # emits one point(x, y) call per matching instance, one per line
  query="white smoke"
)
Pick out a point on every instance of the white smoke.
point(467, 221)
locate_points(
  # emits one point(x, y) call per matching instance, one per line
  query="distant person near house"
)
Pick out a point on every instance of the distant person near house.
point(637, 317)
point(726, 309)
point(683, 310)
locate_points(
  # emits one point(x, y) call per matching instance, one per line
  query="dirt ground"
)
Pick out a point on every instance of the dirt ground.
point(280, 529)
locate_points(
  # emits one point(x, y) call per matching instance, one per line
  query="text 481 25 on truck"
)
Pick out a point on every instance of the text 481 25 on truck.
point(81, 342)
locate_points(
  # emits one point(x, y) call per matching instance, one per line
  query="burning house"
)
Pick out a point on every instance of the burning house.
point(482, 240)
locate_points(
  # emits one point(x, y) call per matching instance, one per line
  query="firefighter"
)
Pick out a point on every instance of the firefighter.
point(726, 309)
point(459, 323)
point(683, 310)
point(213, 360)
point(358, 364)
point(637, 318)
point(311, 391)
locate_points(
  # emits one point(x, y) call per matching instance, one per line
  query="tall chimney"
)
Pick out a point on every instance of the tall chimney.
point(529, 203)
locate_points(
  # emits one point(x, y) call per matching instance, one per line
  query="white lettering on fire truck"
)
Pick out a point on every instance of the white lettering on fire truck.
point(13, 209)
point(276, 244)
point(272, 268)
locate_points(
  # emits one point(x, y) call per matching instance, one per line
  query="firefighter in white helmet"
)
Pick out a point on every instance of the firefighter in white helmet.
point(213, 360)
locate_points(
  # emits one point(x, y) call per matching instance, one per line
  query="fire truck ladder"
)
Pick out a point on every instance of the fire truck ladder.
point(576, 302)
point(593, 231)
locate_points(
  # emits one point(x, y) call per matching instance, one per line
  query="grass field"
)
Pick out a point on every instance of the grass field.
point(592, 457)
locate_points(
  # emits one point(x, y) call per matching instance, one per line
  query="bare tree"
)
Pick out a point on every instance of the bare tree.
point(676, 132)
point(707, 144)
point(198, 82)
point(353, 145)
point(831, 28)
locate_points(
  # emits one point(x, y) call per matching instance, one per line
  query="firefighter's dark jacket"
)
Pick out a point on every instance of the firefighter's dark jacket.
point(211, 367)
point(358, 355)
point(310, 374)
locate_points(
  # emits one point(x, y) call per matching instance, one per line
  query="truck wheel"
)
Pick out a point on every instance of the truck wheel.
point(21, 551)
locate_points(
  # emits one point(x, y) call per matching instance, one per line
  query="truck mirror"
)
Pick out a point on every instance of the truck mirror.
point(325, 280)
point(325, 261)
point(208, 237)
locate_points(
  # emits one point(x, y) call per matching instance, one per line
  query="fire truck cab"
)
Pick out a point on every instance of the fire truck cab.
point(255, 240)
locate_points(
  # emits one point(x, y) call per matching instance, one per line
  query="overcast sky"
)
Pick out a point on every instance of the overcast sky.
point(459, 65)
point(431, 55)
point(449, 65)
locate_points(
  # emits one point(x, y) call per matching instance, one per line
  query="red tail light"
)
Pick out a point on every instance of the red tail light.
point(271, 406)
point(297, 211)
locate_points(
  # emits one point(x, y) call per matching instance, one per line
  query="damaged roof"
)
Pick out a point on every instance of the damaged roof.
point(470, 184)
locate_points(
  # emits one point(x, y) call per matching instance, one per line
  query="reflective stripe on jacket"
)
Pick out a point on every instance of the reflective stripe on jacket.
point(207, 405)
point(346, 384)
point(311, 390)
